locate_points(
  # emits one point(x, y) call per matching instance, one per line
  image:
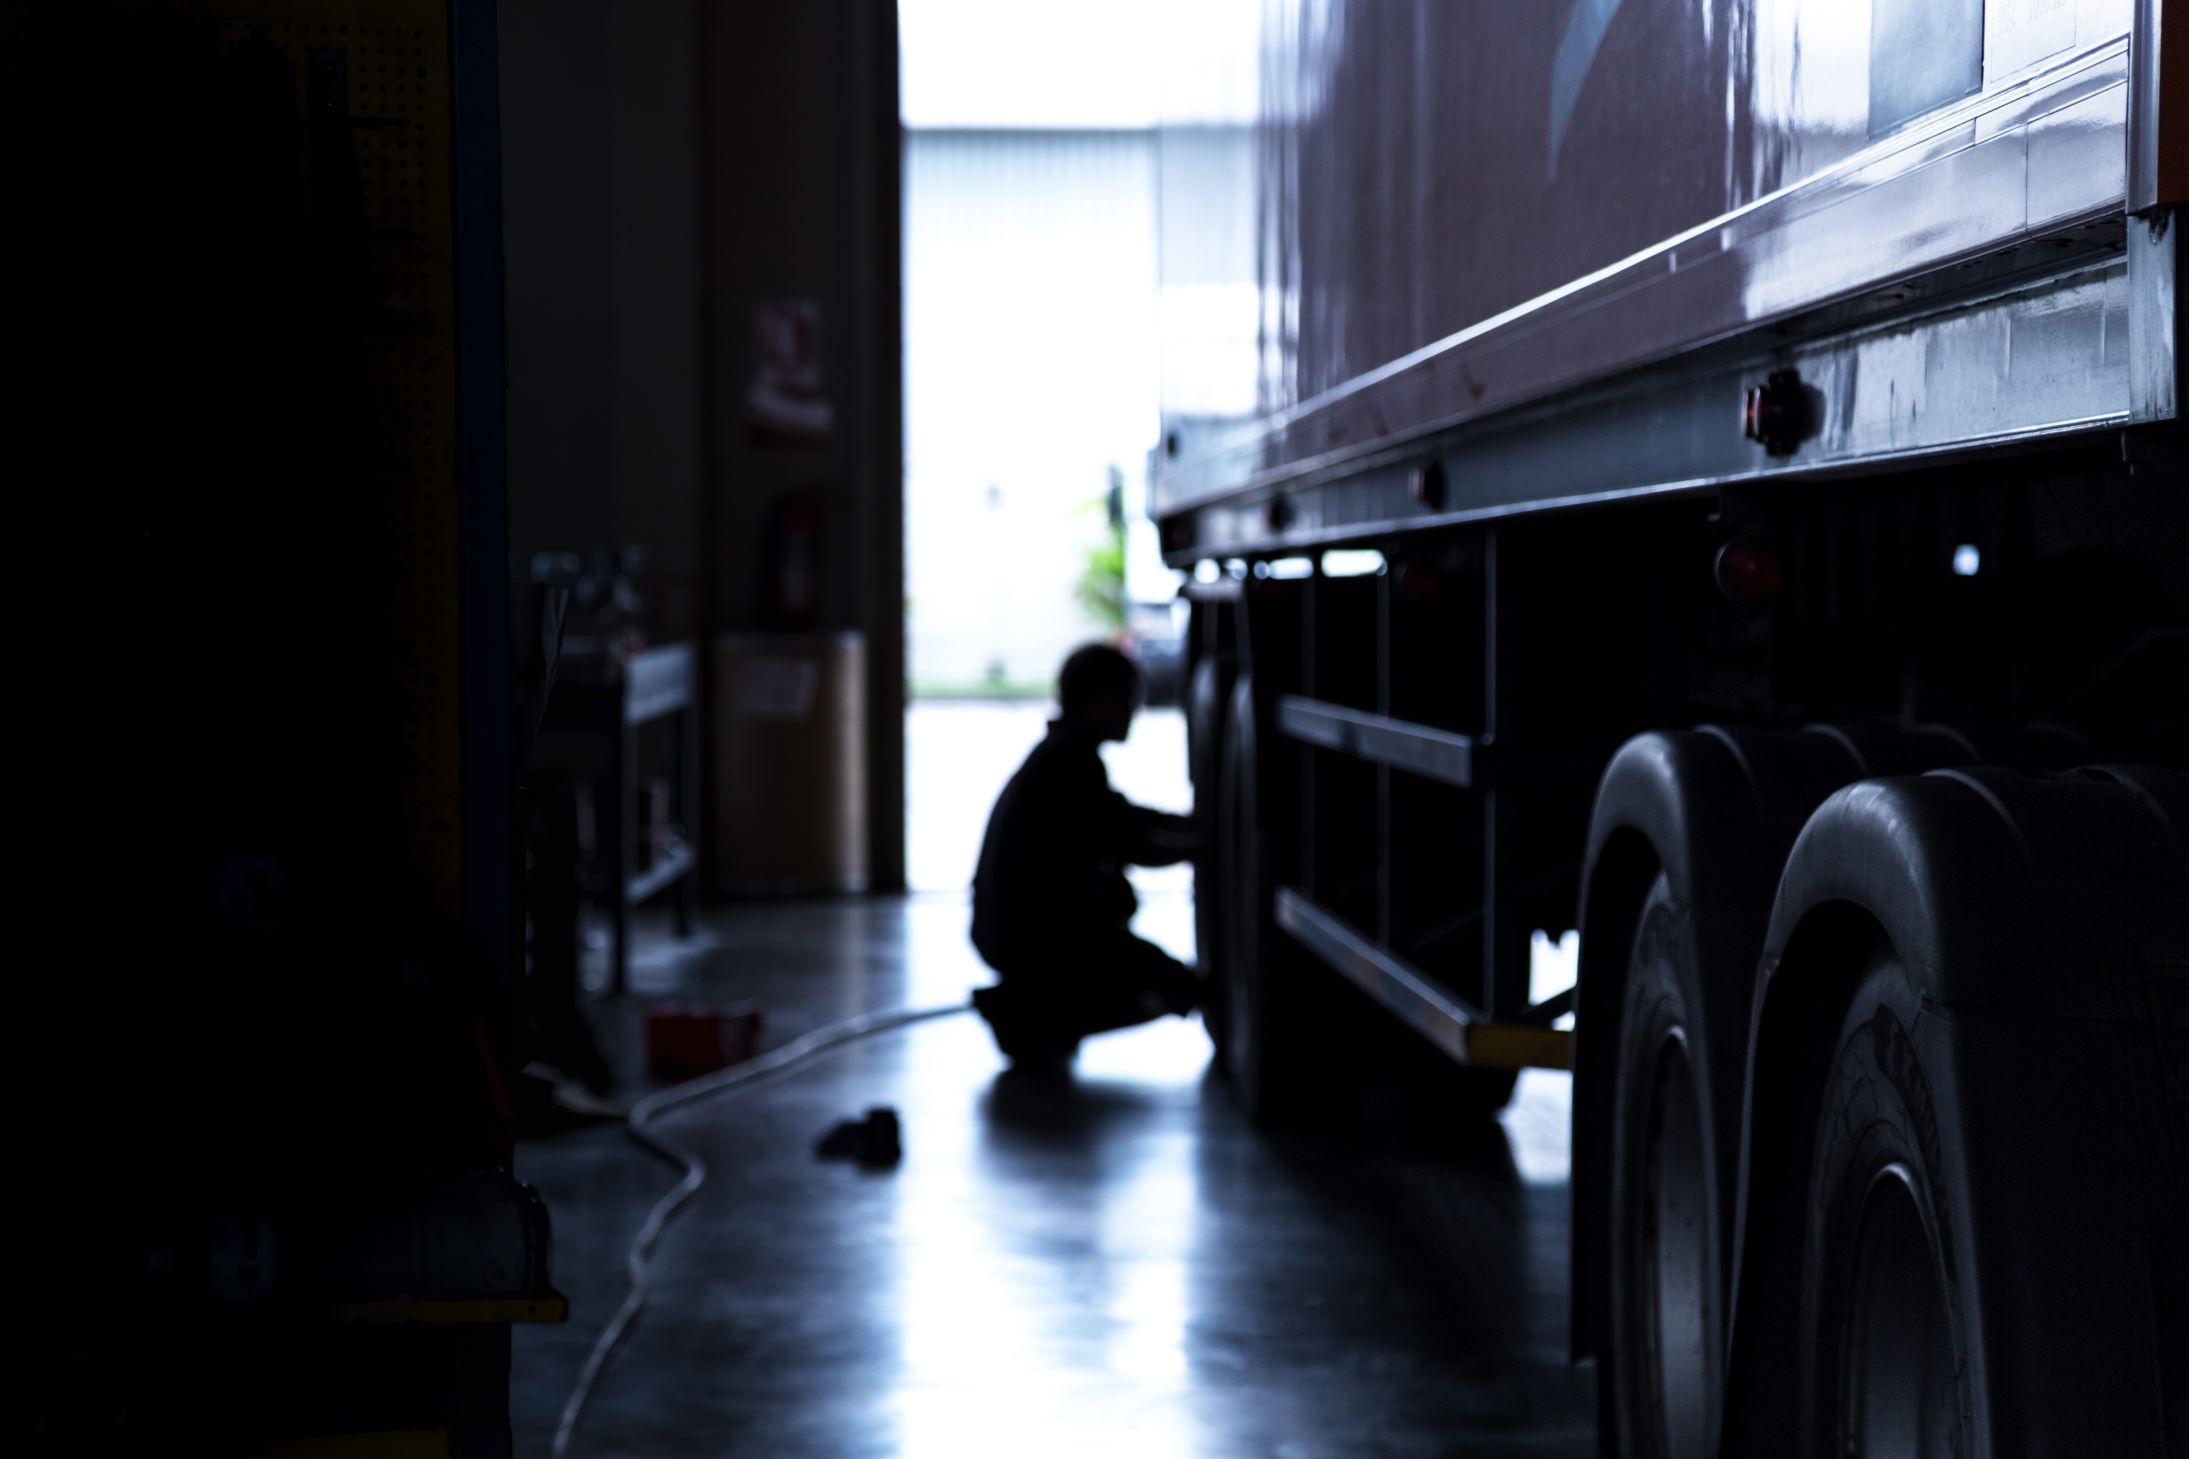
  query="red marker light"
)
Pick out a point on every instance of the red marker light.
point(1748, 570)
point(1775, 414)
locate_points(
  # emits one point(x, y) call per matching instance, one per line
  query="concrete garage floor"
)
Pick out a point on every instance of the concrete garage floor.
point(1120, 1267)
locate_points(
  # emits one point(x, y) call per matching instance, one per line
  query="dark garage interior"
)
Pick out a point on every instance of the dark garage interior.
point(960, 727)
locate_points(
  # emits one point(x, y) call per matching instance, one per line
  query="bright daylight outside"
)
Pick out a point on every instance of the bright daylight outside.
point(1033, 291)
point(1049, 322)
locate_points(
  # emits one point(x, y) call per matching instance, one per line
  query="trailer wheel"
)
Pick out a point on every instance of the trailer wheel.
point(1672, 915)
point(1689, 831)
point(1205, 714)
point(1667, 1328)
point(1964, 1227)
point(1886, 1313)
point(1246, 1016)
point(1291, 1037)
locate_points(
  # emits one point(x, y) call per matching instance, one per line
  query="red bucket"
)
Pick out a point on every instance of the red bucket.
point(684, 1041)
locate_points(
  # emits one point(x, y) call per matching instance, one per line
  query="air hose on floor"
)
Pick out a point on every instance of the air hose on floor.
point(793, 1054)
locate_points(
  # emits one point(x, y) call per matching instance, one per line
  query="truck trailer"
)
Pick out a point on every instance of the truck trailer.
point(1707, 474)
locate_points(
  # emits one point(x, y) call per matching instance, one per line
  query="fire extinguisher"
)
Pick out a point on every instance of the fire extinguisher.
point(793, 582)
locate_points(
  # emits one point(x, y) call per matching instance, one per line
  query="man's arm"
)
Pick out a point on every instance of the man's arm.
point(1135, 834)
point(1160, 838)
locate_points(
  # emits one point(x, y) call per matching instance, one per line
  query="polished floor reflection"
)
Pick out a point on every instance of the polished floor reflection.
point(1114, 1266)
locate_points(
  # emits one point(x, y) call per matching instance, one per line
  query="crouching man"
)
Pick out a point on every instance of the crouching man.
point(1052, 910)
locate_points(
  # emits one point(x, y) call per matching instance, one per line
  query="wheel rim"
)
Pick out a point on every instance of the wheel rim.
point(1900, 1400)
point(1676, 1247)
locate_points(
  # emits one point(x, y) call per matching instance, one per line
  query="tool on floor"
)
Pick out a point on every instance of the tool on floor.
point(873, 1143)
point(791, 1056)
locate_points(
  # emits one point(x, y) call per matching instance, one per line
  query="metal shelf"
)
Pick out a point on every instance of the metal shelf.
point(590, 732)
point(670, 864)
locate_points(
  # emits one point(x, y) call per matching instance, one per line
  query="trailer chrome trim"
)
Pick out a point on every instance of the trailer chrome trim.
point(2155, 248)
point(1452, 1024)
point(1417, 749)
point(2022, 177)
point(2056, 356)
point(1436, 1015)
point(2158, 141)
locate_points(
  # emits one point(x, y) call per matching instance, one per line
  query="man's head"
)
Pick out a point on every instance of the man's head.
point(1098, 689)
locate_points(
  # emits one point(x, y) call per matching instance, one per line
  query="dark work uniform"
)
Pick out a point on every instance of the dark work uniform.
point(1052, 910)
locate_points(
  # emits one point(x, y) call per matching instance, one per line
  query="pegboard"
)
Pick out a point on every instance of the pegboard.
point(388, 62)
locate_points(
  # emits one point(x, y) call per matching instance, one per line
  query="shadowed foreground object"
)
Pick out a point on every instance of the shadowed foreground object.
point(1112, 1265)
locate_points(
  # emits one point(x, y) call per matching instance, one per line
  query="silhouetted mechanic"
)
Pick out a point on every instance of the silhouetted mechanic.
point(1052, 910)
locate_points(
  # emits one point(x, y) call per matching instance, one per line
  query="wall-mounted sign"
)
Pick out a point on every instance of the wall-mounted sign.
point(786, 401)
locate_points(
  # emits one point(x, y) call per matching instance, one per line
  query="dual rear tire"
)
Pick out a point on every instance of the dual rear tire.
point(1666, 1254)
point(1965, 1226)
point(1692, 832)
point(1882, 1346)
point(1885, 1306)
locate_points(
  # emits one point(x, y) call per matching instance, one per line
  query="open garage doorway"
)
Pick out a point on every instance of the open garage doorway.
point(1031, 384)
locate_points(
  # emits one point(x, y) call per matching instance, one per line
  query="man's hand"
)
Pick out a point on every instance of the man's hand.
point(1166, 840)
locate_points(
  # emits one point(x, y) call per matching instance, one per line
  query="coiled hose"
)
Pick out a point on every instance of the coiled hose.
point(793, 1054)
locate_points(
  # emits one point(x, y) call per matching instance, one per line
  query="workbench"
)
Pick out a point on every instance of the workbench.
point(590, 731)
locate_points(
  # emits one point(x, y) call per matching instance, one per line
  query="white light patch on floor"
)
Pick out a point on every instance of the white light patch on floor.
point(1553, 967)
point(1540, 1124)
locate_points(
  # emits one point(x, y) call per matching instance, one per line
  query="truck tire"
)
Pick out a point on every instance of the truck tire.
point(1687, 838)
point(1257, 1037)
point(1886, 1304)
point(1667, 1322)
point(1677, 894)
point(1206, 711)
point(1293, 1030)
point(1965, 1219)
